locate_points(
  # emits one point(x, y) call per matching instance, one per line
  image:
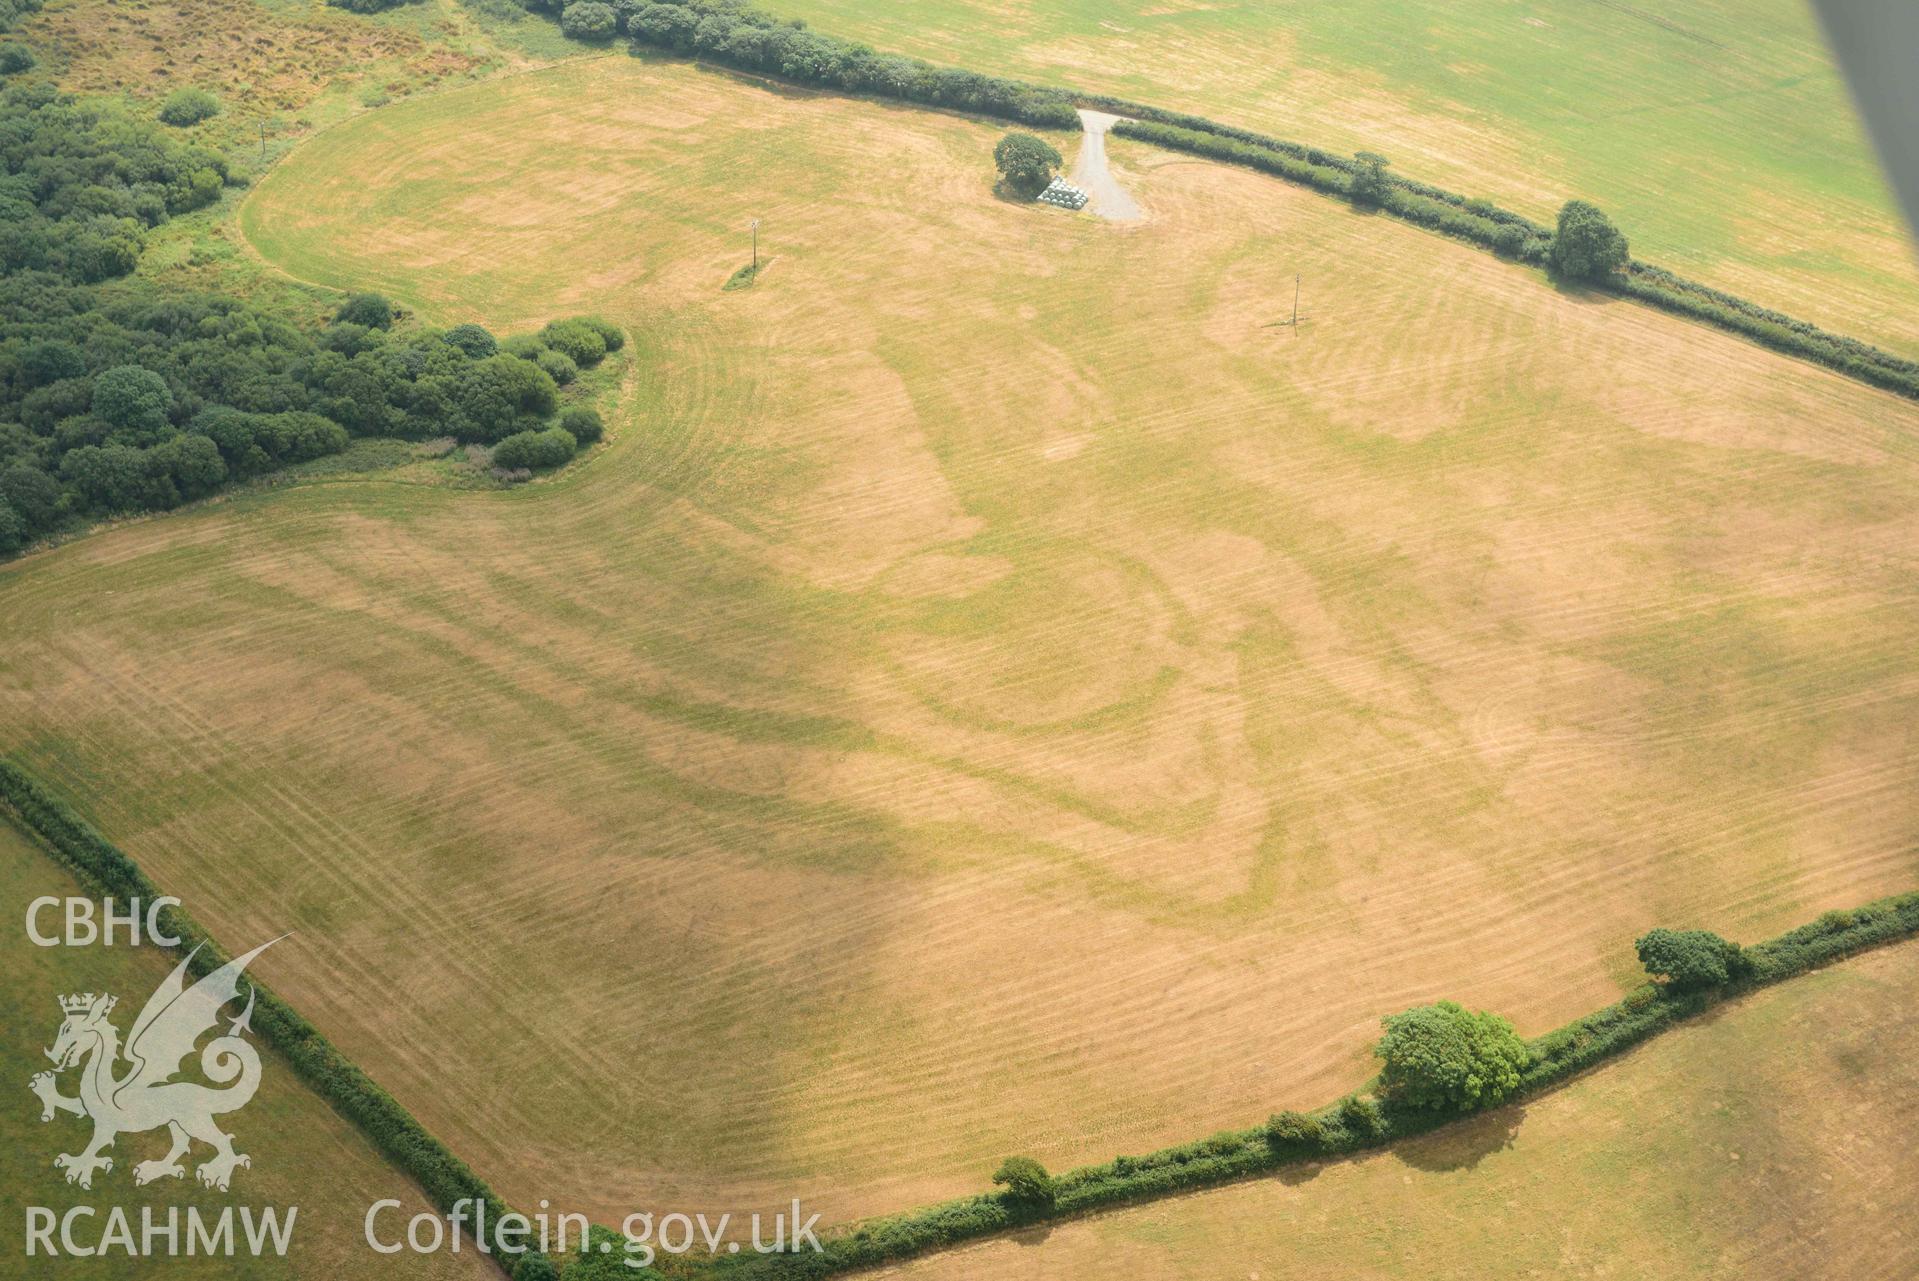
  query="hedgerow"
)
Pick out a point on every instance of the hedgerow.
point(1848, 356)
point(730, 33)
point(1355, 1123)
point(1514, 236)
point(734, 35)
point(391, 1128)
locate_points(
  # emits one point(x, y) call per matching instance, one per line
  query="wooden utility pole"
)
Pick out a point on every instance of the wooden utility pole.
point(1295, 302)
point(756, 248)
point(263, 141)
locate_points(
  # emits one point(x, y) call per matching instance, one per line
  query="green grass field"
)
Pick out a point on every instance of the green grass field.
point(304, 1155)
point(997, 690)
point(1765, 1141)
point(1718, 133)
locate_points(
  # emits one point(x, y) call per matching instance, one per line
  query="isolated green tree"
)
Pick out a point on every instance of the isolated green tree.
point(1025, 1179)
point(1025, 163)
point(1444, 1056)
point(133, 401)
point(558, 366)
point(15, 58)
point(1587, 246)
point(1370, 186)
point(1688, 960)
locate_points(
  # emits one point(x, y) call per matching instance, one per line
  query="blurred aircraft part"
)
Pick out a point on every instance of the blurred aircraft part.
point(1878, 46)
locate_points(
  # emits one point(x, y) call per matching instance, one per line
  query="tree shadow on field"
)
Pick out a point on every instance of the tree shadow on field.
point(1579, 292)
point(1038, 1234)
point(1463, 1144)
point(751, 79)
point(1295, 1175)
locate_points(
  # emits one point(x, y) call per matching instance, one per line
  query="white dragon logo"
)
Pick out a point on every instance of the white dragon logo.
point(146, 1097)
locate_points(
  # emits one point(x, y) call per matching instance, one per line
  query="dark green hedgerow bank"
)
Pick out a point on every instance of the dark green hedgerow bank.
point(737, 35)
point(1511, 235)
point(443, 1176)
point(1418, 1091)
point(1354, 1123)
point(733, 33)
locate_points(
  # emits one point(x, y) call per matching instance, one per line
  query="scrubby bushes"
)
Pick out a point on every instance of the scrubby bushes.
point(535, 450)
point(368, 311)
point(203, 390)
point(473, 340)
point(609, 333)
point(534, 1266)
point(252, 444)
point(185, 107)
point(1294, 1132)
point(85, 187)
point(15, 58)
point(145, 397)
point(579, 340)
point(1362, 1118)
point(583, 424)
point(589, 20)
point(558, 366)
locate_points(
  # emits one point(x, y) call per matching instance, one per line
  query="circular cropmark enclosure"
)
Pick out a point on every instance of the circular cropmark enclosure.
point(994, 692)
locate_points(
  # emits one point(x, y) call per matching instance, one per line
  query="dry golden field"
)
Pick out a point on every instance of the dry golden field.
point(1770, 1140)
point(1719, 133)
point(306, 1158)
point(997, 691)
